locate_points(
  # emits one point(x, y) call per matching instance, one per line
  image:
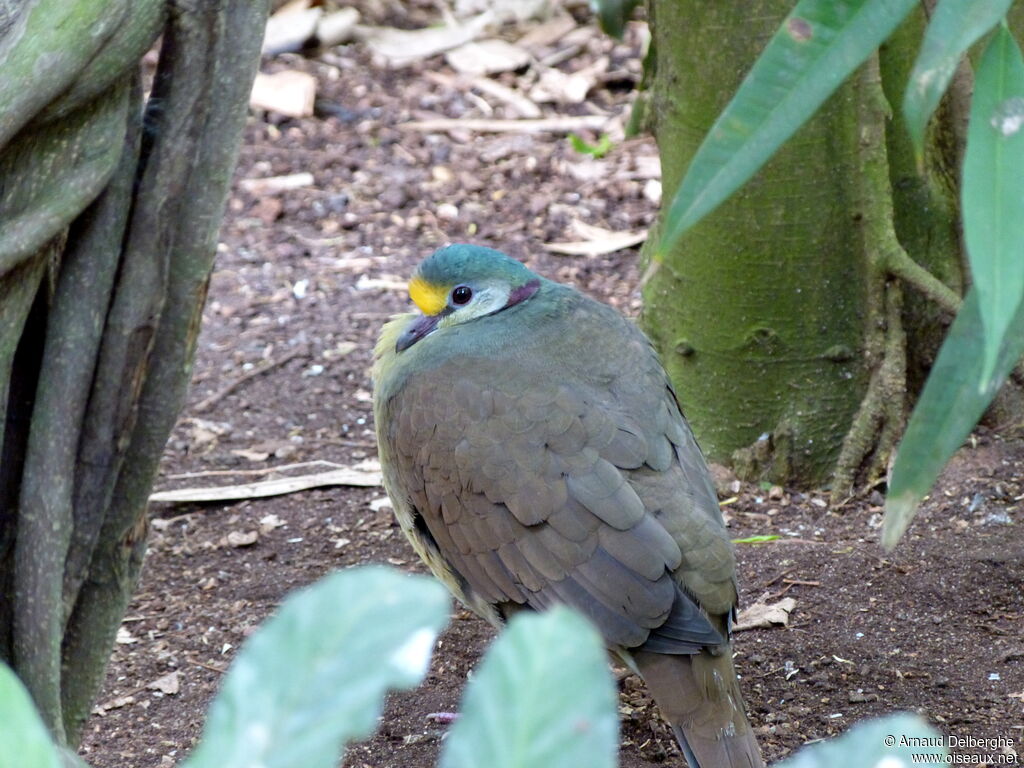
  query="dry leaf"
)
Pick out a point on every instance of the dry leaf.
point(290, 28)
point(588, 169)
point(120, 701)
point(338, 27)
point(597, 241)
point(269, 523)
point(560, 87)
point(273, 184)
point(252, 455)
point(242, 538)
point(550, 32)
point(169, 683)
point(652, 191)
point(762, 615)
point(505, 10)
point(510, 96)
point(647, 167)
point(341, 349)
point(385, 282)
point(288, 92)
point(402, 47)
point(487, 57)
point(124, 637)
point(203, 434)
point(380, 503)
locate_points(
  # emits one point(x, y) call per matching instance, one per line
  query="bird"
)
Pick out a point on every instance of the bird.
point(535, 454)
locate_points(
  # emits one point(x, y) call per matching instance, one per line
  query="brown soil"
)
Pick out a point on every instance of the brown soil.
point(303, 282)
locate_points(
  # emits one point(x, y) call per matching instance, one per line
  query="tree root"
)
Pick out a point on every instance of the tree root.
point(879, 421)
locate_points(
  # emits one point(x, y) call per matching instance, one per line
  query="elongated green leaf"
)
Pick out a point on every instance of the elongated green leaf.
point(68, 759)
point(314, 676)
point(819, 44)
point(891, 742)
point(949, 407)
point(954, 27)
point(993, 189)
point(612, 15)
point(542, 698)
point(24, 740)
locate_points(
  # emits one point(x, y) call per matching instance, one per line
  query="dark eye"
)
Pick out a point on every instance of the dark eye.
point(462, 294)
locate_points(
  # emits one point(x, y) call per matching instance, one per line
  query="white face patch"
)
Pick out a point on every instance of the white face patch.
point(487, 298)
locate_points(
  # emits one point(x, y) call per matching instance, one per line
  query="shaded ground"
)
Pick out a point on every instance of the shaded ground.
point(305, 279)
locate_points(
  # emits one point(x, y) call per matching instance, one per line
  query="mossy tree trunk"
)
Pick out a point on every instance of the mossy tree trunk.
point(789, 317)
point(110, 205)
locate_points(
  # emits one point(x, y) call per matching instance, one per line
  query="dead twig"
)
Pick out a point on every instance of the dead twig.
point(360, 477)
point(253, 472)
point(553, 124)
point(206, 404)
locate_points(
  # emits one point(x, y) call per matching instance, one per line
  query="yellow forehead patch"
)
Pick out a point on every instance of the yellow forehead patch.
point(429, 297)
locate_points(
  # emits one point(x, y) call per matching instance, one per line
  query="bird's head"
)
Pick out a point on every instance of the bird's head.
point(461, 283)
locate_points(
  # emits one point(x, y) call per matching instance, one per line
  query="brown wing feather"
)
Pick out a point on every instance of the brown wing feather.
point(537, 486)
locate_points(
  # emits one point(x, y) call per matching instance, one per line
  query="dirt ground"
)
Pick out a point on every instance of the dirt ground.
point(304, 280)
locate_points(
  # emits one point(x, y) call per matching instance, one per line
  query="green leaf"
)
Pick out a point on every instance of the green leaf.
point(314, 676)
point(757, 539)
point(24, 740)
point(68, 759)
point(954, 27)
point(612, 15)
point(543, 696)
point(599, 150)
point(993, 190)
point(817, 46)
point(950, 405)
point(891, 742)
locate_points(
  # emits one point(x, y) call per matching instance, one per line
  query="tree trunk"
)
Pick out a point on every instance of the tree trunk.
point(109, 215)
point(783, 317)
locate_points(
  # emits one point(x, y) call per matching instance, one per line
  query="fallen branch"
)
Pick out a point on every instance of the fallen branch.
point(253, 472)
point(366, 478)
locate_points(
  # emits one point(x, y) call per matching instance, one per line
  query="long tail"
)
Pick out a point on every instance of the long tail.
point(700, 696)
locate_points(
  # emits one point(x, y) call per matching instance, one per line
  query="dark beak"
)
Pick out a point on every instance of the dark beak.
point(416, 331)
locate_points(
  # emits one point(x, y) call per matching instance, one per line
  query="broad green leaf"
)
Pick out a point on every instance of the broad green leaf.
point(993, 190)
point(68, 759)
point(314, 676)
point(24, 740)
point(543, 697)
point(949, 407)
point(954, 27)
point(818, 45)
point(612, 15)
point(887, 742)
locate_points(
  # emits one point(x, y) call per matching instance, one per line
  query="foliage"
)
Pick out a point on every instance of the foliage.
point(763, 539)
point(314, 676)
point(541, 697)
point(612, 15)
point(867, 744)
point(598, 150)
point(817, 46)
